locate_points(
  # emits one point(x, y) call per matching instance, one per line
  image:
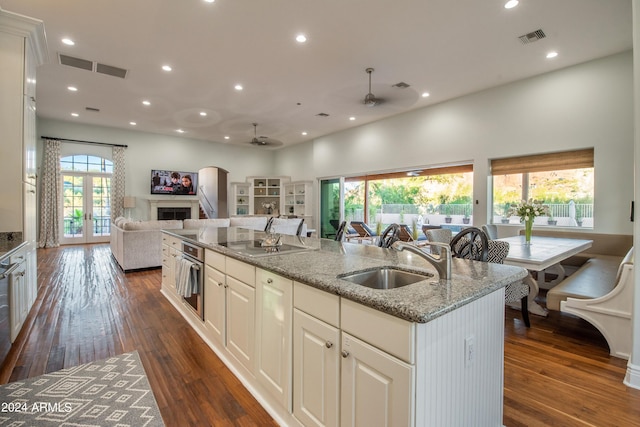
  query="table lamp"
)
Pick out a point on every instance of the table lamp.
point(129, 203)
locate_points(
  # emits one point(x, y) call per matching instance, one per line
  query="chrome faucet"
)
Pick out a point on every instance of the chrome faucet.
point(442, 264)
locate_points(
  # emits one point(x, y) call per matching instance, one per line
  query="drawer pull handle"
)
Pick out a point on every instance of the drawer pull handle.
point(219, 283)
point(269, 280)
point(328, 344)
point(345, 354)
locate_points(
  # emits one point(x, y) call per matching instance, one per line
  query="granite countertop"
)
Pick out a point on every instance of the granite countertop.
point(9, 244)
point(318, 267)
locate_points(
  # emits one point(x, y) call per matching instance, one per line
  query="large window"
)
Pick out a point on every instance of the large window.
point(563, 181)
point(428, 196)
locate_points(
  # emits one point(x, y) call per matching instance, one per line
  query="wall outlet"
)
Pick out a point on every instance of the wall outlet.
point(469, 350)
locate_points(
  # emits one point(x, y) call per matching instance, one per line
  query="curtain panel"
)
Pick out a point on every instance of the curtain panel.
point(50, 195)
point(118, 183)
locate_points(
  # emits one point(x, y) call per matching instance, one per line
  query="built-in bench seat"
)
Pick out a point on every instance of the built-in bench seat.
point(600, 292)
point(599, 287)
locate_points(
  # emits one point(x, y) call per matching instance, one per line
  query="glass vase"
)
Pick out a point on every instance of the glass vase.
point(528, 227)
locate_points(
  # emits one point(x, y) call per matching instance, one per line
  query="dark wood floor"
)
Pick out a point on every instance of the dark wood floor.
point(557, 373)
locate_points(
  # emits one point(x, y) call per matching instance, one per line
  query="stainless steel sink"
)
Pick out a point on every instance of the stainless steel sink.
point(384, 277)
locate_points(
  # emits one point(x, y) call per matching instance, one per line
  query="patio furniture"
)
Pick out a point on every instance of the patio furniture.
point(363, 230)
point(406, 235)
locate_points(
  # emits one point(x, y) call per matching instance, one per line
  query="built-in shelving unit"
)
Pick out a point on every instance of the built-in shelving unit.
point(298, 200)
point(241, 198)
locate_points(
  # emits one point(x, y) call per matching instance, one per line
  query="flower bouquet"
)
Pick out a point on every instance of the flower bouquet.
point(528, 210)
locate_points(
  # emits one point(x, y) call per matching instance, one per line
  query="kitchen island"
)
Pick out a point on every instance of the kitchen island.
point(315, 349)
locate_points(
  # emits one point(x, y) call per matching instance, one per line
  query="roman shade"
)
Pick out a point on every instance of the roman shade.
point(576, 159)
point(415, 172)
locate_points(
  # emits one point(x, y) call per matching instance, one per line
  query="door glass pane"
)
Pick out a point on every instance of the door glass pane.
point(329, 207)
point(73, 205)
point(101, 208)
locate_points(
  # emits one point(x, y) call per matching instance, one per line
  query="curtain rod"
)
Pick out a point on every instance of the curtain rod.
point(85, 142)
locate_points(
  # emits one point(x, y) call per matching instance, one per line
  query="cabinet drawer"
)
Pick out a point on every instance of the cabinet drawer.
point(243, 272)
point(390, 334)
point(172, 241)
point(318, 303)
point(214, 259)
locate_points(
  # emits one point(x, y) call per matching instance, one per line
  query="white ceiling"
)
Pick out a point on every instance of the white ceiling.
point(445, 47)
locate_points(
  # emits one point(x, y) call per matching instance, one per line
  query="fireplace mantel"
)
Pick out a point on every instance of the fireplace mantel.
point(182, 202)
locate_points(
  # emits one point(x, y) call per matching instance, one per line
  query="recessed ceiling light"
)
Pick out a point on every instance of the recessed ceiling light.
point(132, 123)
point(145, 102)
point(301, 38)
point(226, 137)
point(203, 113)
point(209, 1)
point(180, 131)
point(511, 4)
point(238, 87)
point(304, 133)
point(166, 67)
point(75, 114)
point(72, 88)
point(425, 94)
point(552, 55)
point(352, 118)
point(68, 42)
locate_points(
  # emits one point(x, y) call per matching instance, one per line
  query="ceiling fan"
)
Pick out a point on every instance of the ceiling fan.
point(262, 141)
point(370, 99)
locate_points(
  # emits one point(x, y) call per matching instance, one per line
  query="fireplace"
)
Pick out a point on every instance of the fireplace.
point(183, 204)
point(174, 213)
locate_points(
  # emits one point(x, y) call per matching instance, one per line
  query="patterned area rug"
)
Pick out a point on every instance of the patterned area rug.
point(110, 392)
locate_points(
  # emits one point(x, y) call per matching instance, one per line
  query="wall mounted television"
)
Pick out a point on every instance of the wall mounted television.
point(174, 182)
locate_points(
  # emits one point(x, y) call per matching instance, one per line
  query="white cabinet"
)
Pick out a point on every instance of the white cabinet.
point(298, 199)
point(240, 311)
point(267, 194)
point(274, 301)
point(19, 295)
point(215, 296)
point(241, 199)
point(171, 247)
point(377, 388)
point(22, 48)
point(316, 371)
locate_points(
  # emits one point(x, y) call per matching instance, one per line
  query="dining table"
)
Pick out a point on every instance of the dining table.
point(540, 255)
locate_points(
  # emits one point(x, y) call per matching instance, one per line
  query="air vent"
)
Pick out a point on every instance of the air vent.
point(95, 110)
point(84, 64)
point(111, 71)
point(401, 85)
point(533, 36)
point(76, 62)
point(322, 115)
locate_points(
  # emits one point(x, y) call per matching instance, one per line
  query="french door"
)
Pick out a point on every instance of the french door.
point(86, 208)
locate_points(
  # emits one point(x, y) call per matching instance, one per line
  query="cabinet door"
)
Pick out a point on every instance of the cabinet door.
point(316, 371)
point(214, 304)
point(19, 307)
point(274, 301)
point(377, 389)
point(240, 321)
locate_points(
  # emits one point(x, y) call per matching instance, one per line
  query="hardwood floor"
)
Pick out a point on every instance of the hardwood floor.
point(557, 373)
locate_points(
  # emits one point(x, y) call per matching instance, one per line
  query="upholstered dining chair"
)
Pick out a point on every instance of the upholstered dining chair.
point(513, 292)
point(470, 243)
point(340, 231)
point(491, 230)
point(442, 235)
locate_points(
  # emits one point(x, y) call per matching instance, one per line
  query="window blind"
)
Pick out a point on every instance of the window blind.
point(424, 172)
point(576, 159)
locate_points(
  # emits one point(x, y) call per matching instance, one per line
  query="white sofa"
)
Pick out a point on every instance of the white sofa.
point(138, 244)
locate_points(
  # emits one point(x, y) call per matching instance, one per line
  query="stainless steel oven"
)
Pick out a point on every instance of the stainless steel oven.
point(195, 255)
